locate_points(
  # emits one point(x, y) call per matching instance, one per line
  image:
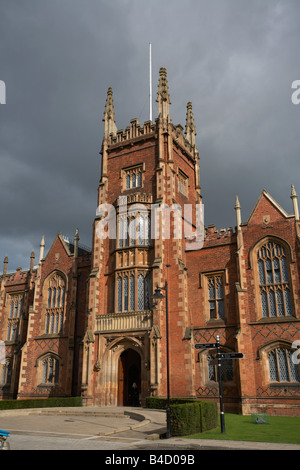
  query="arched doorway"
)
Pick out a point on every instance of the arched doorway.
point(129, 373)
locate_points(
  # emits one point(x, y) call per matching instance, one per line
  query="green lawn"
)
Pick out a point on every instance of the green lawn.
point(281, 429)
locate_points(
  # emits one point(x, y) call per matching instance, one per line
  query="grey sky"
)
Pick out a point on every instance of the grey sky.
point(235, 60)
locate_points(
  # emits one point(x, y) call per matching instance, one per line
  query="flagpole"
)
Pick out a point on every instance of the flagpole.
point(150, 81)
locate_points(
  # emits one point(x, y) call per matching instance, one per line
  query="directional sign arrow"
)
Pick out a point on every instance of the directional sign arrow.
point(235, 355)
point(206, 345)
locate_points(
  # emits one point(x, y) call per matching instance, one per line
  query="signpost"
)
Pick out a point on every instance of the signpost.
point(231, 355)
point(206, 345)
point(220, 357)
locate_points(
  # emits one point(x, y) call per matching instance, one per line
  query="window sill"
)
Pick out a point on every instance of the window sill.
point(284, 384)
point(230, 384)
point(13, 342)
point(275, 320)
point(216, 322)
point(131, 190)
point(47, 385)
point(50, 336)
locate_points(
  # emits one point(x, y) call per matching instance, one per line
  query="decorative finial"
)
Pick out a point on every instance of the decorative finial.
point(294, 198)
point(42, 248)
point(32, 256)
point(76, 240)
point(5, 266)
point(238, 213)
point(163, 97)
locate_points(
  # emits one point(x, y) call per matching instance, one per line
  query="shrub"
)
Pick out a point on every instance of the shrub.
point(40, 403)
point(187, 415)
point(185, 419)
point(208, 415)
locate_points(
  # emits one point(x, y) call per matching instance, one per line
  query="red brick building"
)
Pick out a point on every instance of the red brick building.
point(83, 322)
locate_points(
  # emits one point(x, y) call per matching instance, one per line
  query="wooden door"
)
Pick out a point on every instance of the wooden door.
point(128, 373)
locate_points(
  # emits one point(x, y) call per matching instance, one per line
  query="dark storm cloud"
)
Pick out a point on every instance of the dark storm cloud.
point(234, 60)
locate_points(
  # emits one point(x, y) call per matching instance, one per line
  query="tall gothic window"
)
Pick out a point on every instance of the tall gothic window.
point(128, 284)
point(15, 312)
point(5, 373)
point(50, 370)
point(281, 366)
point(274, 286)
point(216, 296)
point(134, 230)
point(182, 183)
point(55, 304)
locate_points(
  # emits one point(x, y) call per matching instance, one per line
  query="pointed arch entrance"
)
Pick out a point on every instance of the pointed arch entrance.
point(129, 373)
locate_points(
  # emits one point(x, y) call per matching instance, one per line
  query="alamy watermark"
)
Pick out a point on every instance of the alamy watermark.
point(296, 95)
point(155, 223)
point(2, 353)
point(2, 92)
point(296, 354)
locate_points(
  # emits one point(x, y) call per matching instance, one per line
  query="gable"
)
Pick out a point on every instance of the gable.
point(58, 250)
point(266, 210)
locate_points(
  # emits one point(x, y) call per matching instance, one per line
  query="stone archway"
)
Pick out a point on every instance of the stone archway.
point(129, 373)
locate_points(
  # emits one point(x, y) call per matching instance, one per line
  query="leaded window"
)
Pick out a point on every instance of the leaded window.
point(275, 292)
point(134, 230)
point(141, 292)
point(132, 293)
point(216, 296)
point(183, 183)
point(5, 373)
point(120, 294)
point(50, 370)
point(281, 366)
point(148, 291)
point(55, 305)
point(226, 369)
point(128, 284)
point(133, 177)
point(12, 331)
point(15, 303)
point(126, 294)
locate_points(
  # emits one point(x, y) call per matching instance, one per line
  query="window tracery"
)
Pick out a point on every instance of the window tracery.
point(55, 304)
point(274, 285)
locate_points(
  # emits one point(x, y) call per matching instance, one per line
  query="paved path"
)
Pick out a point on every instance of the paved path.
point(107, 428)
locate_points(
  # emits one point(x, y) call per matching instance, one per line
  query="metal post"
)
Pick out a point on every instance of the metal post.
point(168, 434)
point(158, 296)
point(150, 84)
point(220, 386)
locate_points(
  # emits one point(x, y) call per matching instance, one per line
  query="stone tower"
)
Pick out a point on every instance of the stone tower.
point(135, 248)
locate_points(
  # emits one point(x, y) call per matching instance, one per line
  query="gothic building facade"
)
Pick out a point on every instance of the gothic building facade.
point(83, 322)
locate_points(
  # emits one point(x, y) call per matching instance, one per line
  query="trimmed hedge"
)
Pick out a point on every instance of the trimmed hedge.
point(208, 415)
point(185, 419)
point(40, 403)
point(188, 416)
